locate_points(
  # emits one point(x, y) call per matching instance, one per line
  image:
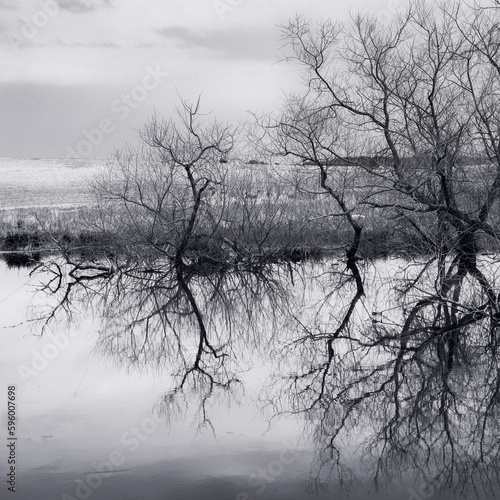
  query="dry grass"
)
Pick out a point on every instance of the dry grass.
point(262, 210)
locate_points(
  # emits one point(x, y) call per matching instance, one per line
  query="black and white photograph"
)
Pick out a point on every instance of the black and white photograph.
point(250, 249)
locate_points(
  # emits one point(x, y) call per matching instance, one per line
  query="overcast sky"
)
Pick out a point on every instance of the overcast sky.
point(79, 77)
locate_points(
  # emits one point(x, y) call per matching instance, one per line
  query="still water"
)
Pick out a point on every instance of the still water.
point(92, 420)
point(80, 413)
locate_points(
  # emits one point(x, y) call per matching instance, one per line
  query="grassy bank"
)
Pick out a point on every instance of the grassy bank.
point(27, 237)
point(260, 213)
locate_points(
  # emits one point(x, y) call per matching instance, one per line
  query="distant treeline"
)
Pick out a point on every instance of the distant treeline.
point(373, 162)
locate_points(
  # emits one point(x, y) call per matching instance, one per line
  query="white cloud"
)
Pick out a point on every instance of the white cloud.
point(88, 44)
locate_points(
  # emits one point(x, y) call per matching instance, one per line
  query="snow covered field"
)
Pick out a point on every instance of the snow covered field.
point(34, 182)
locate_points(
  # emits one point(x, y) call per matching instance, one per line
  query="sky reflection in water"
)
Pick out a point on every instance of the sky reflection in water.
point(81, 409)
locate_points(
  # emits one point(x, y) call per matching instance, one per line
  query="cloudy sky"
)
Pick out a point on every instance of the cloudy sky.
point(80, 77)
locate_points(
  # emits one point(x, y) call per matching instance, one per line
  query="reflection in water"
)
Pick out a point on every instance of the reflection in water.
point(384, 404)
point(14, 260)
point(205, 330)
point(391, 391)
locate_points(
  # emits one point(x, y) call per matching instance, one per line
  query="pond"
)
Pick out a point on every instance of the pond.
point(97, 416)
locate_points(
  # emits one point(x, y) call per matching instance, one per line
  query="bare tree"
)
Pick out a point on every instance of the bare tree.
point(410, 111)
point(178, 256)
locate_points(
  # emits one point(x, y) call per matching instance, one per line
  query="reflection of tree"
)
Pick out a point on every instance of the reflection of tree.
point(414, 417)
